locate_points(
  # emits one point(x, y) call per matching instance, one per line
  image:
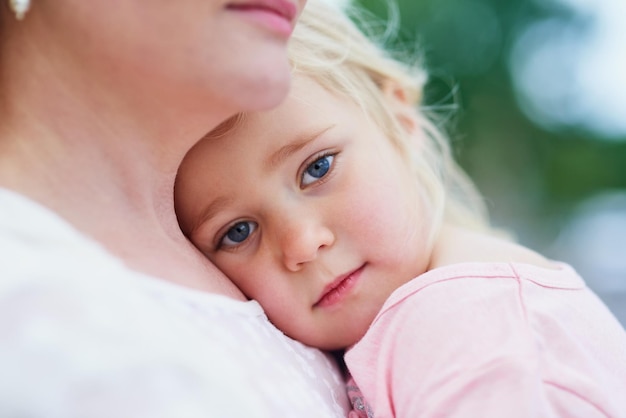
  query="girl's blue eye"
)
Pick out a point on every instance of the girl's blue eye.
point(318, 169)
point(238, 233)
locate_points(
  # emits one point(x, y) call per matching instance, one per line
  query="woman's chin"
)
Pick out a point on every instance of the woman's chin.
point(268, 93)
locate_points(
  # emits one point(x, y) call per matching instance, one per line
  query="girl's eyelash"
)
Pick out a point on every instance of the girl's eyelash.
point(217, 246)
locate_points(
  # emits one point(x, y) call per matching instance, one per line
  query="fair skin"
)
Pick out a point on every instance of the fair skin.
point(100, 102)
point(316, 215)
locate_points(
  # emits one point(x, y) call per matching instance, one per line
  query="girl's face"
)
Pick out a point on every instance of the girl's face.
point(310, 210)
point(196, 52)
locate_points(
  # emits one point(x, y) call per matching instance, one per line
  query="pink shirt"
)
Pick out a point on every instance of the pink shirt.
point(493, 340)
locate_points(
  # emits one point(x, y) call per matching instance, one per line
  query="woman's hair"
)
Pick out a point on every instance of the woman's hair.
point(328, 47)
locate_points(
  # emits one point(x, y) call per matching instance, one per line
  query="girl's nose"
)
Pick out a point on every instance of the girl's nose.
point(302, 240)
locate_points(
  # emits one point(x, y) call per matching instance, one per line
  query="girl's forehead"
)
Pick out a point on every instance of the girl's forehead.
point(309, 112)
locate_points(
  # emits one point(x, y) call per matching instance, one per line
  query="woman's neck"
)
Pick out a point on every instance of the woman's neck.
point(106, 166)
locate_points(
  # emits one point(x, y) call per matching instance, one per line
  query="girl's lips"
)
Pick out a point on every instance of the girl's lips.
point(339, 289)
point(277, 15)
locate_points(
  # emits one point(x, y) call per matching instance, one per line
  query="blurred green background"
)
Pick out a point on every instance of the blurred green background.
point(540, 118)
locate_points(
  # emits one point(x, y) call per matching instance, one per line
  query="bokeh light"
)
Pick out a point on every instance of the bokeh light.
point(594, 241)
point(570, 69)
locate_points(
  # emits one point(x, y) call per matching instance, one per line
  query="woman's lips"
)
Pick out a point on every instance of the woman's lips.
point(277, 15)
point(339, 289)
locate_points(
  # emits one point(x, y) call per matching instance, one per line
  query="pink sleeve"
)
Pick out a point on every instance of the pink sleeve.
point(449, 353)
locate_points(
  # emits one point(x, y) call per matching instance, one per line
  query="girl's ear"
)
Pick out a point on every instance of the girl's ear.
point(401, 106)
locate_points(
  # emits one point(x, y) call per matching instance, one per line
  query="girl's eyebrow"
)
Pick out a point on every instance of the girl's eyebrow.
point(285, 151)
point(209, 212)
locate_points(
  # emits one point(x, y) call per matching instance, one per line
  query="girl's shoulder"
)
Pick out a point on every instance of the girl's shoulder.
point(457, 245)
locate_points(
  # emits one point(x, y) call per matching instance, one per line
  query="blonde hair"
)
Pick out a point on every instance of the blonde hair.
point(328, 47)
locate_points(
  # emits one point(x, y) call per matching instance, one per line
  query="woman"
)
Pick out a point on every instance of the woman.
point(105, 308)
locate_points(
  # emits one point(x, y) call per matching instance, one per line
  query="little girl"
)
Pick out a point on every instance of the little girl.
point(344, 215)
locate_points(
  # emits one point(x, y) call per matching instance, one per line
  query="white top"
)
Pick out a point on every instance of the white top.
point(82, 335)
